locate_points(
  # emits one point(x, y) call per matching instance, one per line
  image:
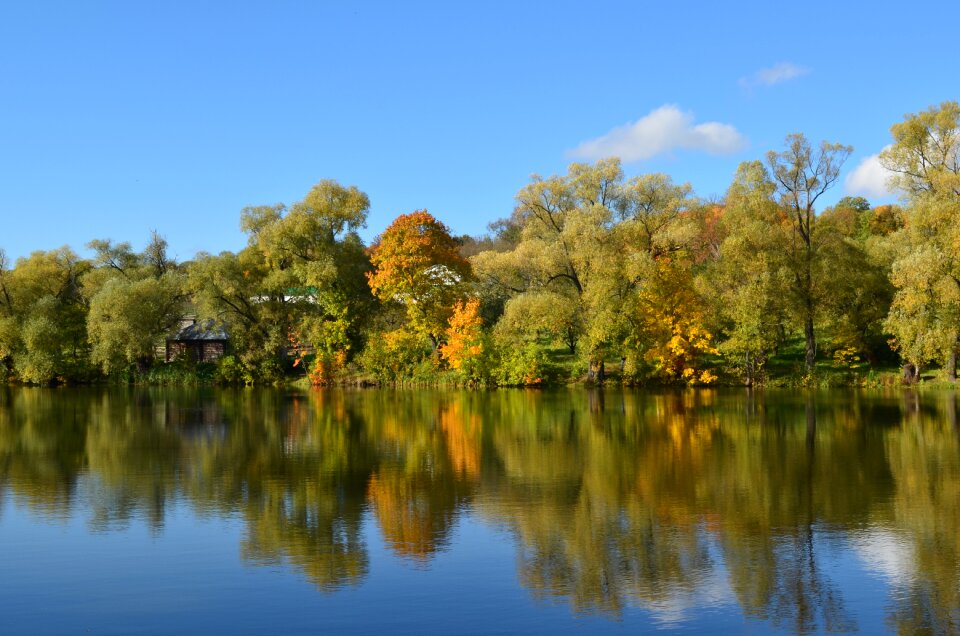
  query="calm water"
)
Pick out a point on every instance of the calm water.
point(510, 511)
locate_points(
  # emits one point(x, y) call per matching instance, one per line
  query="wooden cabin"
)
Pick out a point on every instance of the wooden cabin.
point(200, 341)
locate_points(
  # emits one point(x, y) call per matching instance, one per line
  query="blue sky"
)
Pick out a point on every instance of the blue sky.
point(119, 118)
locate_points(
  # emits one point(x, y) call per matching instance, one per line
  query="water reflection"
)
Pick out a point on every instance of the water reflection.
point(617, 500)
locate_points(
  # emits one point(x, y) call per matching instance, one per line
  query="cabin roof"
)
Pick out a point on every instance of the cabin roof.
point(201, 330)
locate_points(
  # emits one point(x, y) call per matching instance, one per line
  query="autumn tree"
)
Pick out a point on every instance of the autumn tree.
point(465, 349)
point(658, 316)
point(802, 174)
point(417, 264)
point(925, 161)
point(585, 263)
point(562, 248)
point(925, 154)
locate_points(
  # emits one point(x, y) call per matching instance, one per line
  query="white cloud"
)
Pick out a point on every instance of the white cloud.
point(776, 74)
point(869, 179)
point(887, 554)
point(664, 129)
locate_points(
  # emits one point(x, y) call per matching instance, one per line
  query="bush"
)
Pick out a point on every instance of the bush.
point(231, 371)
point(394, 356)
point(525, 365)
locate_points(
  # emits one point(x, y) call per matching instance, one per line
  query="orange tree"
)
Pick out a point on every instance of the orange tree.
point(417, 264)
point(464, 350)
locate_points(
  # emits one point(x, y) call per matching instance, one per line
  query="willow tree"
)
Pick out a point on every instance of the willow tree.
point(299, 279)
point(925, 161)
point(135, 300)
point(564, 254)
point(802, 175)
point(42, 316)
point(599, 257)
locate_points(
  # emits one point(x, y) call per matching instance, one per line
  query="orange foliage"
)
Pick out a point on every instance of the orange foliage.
point(405, 251)
point(326, 366)
point(463, 440)
point(464, 336)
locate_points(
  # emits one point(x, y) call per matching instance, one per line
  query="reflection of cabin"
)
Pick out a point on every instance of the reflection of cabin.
point(199, 341)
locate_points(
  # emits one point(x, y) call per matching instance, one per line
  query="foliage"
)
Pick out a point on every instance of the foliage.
point(395, 355)
point(801, 175)
point(592, 266)
point(302, 272)
point(466, 351)
point(525, 365)
point(926, 273)
point(417, 263)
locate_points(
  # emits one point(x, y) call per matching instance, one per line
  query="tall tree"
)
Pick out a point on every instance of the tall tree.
point(802, 174)
point(746, 281)
point(925, 154)
point(135, 300)
point(925, 160)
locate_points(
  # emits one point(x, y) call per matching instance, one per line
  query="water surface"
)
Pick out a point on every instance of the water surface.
point(248, 511)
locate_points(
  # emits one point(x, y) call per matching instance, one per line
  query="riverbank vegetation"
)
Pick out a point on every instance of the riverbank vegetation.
point(594, 277)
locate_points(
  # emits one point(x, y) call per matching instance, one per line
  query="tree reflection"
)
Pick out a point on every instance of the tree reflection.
point(428, 462)
point(923, 455)
point(661, 501)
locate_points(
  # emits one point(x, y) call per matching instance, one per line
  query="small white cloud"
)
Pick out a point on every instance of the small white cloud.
point(869, 179)
point(774, 75)
point(664, 129)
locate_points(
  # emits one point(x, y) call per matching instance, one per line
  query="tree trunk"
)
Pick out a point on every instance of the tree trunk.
point(952, 365)
point(911, 374)
point(749, 366)
point(811, 343)
point(595, 372)
point(571, 341)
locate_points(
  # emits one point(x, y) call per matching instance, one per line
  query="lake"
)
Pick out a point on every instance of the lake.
point(269, 511)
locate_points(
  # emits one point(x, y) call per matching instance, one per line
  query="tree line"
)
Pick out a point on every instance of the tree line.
point(592, 273)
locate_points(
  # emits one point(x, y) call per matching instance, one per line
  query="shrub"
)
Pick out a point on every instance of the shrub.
point(526, 365)
point(392, 356)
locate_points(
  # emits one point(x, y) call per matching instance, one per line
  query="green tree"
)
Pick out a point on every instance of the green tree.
point(802, 175)
point(857, 265)
point(128, 319)
point(925, 160)
point(746, 281)
point(300, 280)
point(43, 319)
point(925, 154)
point(136, 300)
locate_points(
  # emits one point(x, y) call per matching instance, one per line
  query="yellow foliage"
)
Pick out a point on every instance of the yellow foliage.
point(671, 326)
